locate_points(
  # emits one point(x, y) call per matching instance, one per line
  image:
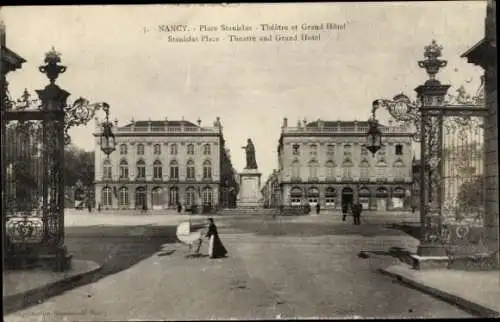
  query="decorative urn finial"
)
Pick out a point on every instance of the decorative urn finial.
point(52, 68)
point(432, 63)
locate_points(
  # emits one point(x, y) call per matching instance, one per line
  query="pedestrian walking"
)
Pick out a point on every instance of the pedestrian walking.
point(215, 249)
point(344, 211)
point(317, 208)
point(356, 211)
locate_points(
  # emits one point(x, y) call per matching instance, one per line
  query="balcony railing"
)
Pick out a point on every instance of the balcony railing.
point(346, 129)
point(167, 129)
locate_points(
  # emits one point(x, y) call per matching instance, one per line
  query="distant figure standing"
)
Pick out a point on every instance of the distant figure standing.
point(179, 208)
point(99, 207)
point(317, 208)
point(89, 206)
point(144, 208)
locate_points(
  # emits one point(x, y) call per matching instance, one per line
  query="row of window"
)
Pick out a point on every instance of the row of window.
point(348, 163)
point(158, 196)
point(157, 170)
point(347, 149)
point(207, 150)
point(347, 171)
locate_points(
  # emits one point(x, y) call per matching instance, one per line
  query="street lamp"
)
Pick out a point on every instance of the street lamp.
point(374, 135)
point(108, 142)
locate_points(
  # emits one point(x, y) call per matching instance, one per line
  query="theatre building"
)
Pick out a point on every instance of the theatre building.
point(324, 162)
point(160, 164)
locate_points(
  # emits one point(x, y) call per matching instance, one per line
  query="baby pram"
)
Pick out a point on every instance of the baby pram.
point(191, 234)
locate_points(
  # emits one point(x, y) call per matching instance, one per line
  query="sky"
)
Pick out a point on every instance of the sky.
point(118, 55)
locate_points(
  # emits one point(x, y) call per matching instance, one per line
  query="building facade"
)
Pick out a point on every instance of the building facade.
point(325, 162)
point(159, 164)
point(271, 191)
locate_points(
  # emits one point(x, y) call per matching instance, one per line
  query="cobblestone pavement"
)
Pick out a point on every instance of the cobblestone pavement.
point(267, 276)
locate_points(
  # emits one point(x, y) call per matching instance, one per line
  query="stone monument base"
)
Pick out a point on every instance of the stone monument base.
point(250, 195)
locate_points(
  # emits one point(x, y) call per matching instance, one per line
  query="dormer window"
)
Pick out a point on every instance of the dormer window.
point(296, 149)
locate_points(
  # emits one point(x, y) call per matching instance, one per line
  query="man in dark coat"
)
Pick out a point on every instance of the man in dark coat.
point(317, 208)
point(356, 212)
point(344, 211)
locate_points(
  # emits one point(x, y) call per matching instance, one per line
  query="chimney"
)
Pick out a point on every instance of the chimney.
point(285, 122)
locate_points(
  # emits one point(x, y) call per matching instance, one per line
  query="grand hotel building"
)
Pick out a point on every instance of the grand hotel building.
point(161, 164)
point(324, 162)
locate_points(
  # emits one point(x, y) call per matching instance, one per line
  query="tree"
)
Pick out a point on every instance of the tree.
point(470, 195)
point(78, 166)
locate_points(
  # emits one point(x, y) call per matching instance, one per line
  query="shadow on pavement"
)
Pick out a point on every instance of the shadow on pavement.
point(409, 229)
point(115, 248)
point(273, 228)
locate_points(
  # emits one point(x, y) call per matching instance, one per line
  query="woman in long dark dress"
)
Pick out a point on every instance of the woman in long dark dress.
point(215, 249)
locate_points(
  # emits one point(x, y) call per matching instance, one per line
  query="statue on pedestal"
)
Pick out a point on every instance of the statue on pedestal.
point(250, 155)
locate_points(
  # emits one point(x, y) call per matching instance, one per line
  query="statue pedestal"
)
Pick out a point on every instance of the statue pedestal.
point(250, 195)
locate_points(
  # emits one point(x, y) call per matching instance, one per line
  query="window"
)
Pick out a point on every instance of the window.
point(173, 196)
point(190, 149)
point(347, 150)
point(330, 169)
point(190, 197)
point(296, 169)
point(123, 199)
point(347, 169)
point(296, 149)
point(141, 169)
point(314, 150)
point(398, 149)
point(173, 149)
point(207, 170)
point(190, 173)
point(123, 149)
point(399, 169)
point(140, 149)
point(381, 152)
point(123, 169)
point(313, 169)
point(364, 170)
point(107, 169)
point(107, 197)
point(157, 149)
point(207, 196)
point(174, 170)
point(206, 149)
point(330, 150)
point(157, 170)
point(157, 198)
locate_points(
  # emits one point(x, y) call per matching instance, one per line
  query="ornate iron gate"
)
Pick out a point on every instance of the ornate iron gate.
point(33, 189)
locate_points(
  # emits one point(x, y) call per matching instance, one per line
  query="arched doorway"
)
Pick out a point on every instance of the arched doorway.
point(296, 196)
point(313, 196)
point(382, 195)
point(140, 197)
point(157, 198)
point(364, 197)
point(347, 197)
point(330, 196)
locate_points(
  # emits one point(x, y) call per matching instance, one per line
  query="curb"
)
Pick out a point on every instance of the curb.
point(22, 300)
point(467, 305)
